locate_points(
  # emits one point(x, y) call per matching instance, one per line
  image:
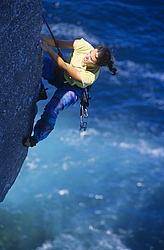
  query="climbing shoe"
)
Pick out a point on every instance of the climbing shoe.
point(42, 93)
point(29, 142)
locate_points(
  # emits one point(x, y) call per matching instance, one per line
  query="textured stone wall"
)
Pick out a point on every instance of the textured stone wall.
point(20, 74)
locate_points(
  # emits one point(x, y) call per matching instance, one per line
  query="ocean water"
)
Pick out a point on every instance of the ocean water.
point(103, 191)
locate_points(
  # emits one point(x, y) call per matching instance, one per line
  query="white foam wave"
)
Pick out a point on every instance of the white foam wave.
point(129, 68)
point(62, 192)
point(70, 31)
point(100, 240)
point(74, 138)
point(153, 75)
point(142, 148)
point(46, 246)
point(32, 162)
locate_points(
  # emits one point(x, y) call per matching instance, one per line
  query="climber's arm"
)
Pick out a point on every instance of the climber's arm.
point(65, 44)
point(71, 71)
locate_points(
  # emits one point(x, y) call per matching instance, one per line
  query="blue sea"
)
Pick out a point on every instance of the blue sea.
point(103, 190)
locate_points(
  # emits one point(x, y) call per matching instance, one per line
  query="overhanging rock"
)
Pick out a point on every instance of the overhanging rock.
point(20, 74)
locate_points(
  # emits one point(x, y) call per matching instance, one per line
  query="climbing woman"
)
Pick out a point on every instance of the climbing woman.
point(70, 79)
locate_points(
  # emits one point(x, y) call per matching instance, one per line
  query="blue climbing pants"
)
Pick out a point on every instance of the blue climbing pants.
point(64, 96)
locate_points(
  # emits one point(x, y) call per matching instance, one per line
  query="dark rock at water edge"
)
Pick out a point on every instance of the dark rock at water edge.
point(20, 74)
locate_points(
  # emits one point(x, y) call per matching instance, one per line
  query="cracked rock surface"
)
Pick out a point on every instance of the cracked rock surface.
point(20, 74)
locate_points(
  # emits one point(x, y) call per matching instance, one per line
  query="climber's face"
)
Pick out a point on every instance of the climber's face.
point(90, 59)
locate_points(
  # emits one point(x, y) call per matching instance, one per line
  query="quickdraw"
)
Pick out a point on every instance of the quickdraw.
point(84, 104)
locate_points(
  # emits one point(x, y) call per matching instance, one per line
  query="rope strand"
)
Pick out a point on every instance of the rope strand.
point(56, 44)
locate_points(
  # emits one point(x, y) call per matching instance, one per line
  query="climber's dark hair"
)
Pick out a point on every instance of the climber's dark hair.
point(105, 59)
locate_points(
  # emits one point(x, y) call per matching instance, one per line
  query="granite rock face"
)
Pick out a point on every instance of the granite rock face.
point(20, 75)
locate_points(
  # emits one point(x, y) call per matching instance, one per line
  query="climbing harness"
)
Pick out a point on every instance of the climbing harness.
point(84, 100)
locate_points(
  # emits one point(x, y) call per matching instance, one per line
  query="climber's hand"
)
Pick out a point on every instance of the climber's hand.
point(44, 45)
